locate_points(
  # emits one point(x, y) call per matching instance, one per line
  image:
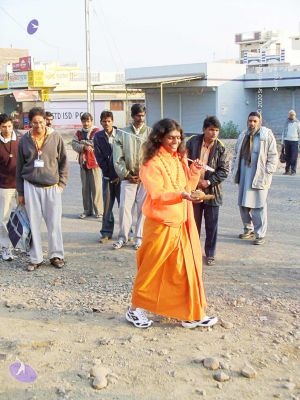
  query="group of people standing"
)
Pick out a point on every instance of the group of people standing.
point(155, 171)
point(117, 153)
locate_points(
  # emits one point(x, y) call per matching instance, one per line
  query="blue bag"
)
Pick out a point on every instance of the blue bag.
point(18, 228)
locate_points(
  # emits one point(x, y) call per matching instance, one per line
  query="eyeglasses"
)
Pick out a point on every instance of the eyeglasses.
point(38, 123)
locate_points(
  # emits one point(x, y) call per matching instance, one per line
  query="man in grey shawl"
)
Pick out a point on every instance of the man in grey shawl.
point(254, 162)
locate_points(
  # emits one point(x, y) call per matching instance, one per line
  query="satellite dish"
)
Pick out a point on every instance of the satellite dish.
point(32, 27)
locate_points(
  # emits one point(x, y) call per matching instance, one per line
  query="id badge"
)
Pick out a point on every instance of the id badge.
point(38, 163)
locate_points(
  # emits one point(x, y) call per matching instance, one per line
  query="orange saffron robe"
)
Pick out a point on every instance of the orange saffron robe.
point(169, 262)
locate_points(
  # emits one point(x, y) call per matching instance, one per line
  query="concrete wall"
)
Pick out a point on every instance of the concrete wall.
point(186, 106)
point(235, 103)
point(276, 105)
point(275, 78)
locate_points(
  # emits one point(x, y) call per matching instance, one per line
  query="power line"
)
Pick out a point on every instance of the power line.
point(107, 32)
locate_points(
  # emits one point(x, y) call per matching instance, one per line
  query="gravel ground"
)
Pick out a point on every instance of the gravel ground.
point(62, 322)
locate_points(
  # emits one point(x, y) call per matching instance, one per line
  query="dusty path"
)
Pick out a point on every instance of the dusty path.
point(60, 322)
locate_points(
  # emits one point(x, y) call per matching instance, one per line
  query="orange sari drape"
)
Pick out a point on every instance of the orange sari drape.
point(169, 262)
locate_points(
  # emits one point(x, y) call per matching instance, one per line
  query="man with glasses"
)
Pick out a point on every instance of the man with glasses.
point(42, 172)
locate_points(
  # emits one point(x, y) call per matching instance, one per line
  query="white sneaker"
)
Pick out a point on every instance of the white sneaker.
point(118, 244)
point(206, 321)
point(138, 318)
point(137, 244)
point(7, 254)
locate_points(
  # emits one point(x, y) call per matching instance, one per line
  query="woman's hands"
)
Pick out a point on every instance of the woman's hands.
point(197, 164)
point(187, 196)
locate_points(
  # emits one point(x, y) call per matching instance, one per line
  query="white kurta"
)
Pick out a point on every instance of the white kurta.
point(249, 197)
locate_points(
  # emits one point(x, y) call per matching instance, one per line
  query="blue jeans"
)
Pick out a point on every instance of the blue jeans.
point(291, 151)
point(211, 217)
point(111, 192)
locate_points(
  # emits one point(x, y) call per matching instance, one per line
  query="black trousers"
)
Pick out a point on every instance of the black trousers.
point(111, 192)
point(291, 151)
point(211, 218)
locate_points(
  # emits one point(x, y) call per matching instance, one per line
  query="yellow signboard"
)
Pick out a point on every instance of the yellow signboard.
point(45, 94)
point(36, 78)
point(3, 81)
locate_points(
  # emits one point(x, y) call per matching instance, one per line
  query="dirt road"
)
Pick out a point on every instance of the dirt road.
point(62, 322)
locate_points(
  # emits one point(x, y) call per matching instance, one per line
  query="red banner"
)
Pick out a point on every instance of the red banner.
point(25, 63)
point(16, 67)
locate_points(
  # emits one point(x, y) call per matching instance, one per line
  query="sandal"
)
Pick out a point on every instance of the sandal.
point(210, 261)
point(83, 215)
point(57, 262)
point(32, 267)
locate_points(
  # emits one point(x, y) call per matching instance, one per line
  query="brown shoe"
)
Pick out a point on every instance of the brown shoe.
point(104, 240)
point(32, 267)
point(259, 241)
point(247, 235)
point(57, 262)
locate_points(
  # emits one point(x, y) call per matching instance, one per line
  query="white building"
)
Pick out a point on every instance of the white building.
point(190, 92)
point(268, 47)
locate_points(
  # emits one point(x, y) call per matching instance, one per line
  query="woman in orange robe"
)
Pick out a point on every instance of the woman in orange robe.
point(169, 262)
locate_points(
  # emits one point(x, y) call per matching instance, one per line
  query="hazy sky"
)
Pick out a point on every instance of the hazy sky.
point(131, 33)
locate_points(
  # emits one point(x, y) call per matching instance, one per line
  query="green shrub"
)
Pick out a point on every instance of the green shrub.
point(229, 130)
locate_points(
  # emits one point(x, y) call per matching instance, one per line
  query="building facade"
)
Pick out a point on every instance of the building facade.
point(188, 93)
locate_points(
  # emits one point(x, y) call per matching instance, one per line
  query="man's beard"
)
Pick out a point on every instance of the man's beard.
point(252, 131)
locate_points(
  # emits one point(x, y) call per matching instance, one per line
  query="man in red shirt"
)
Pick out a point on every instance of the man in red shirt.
point(90, 173)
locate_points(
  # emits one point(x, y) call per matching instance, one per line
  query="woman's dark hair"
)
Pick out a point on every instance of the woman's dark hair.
point(159, 130)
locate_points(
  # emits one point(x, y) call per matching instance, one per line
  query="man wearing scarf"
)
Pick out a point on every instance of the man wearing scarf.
point(254, 162)
point(90, 174)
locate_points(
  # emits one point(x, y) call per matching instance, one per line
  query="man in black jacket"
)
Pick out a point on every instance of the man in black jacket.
point(103, 141)
point(211, 151)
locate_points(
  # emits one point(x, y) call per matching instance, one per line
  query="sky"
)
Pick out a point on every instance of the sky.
point(131, 33)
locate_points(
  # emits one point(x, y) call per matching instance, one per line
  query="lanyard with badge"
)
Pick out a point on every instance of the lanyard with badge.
point(38, 163)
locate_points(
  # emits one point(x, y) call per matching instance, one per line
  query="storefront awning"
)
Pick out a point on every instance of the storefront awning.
point(5, 92)
point(26, 95)
point(154, 82)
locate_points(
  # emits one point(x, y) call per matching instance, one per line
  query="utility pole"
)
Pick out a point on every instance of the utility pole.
point(87, 55)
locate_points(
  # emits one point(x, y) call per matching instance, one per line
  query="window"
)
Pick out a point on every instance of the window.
point(116, 105)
